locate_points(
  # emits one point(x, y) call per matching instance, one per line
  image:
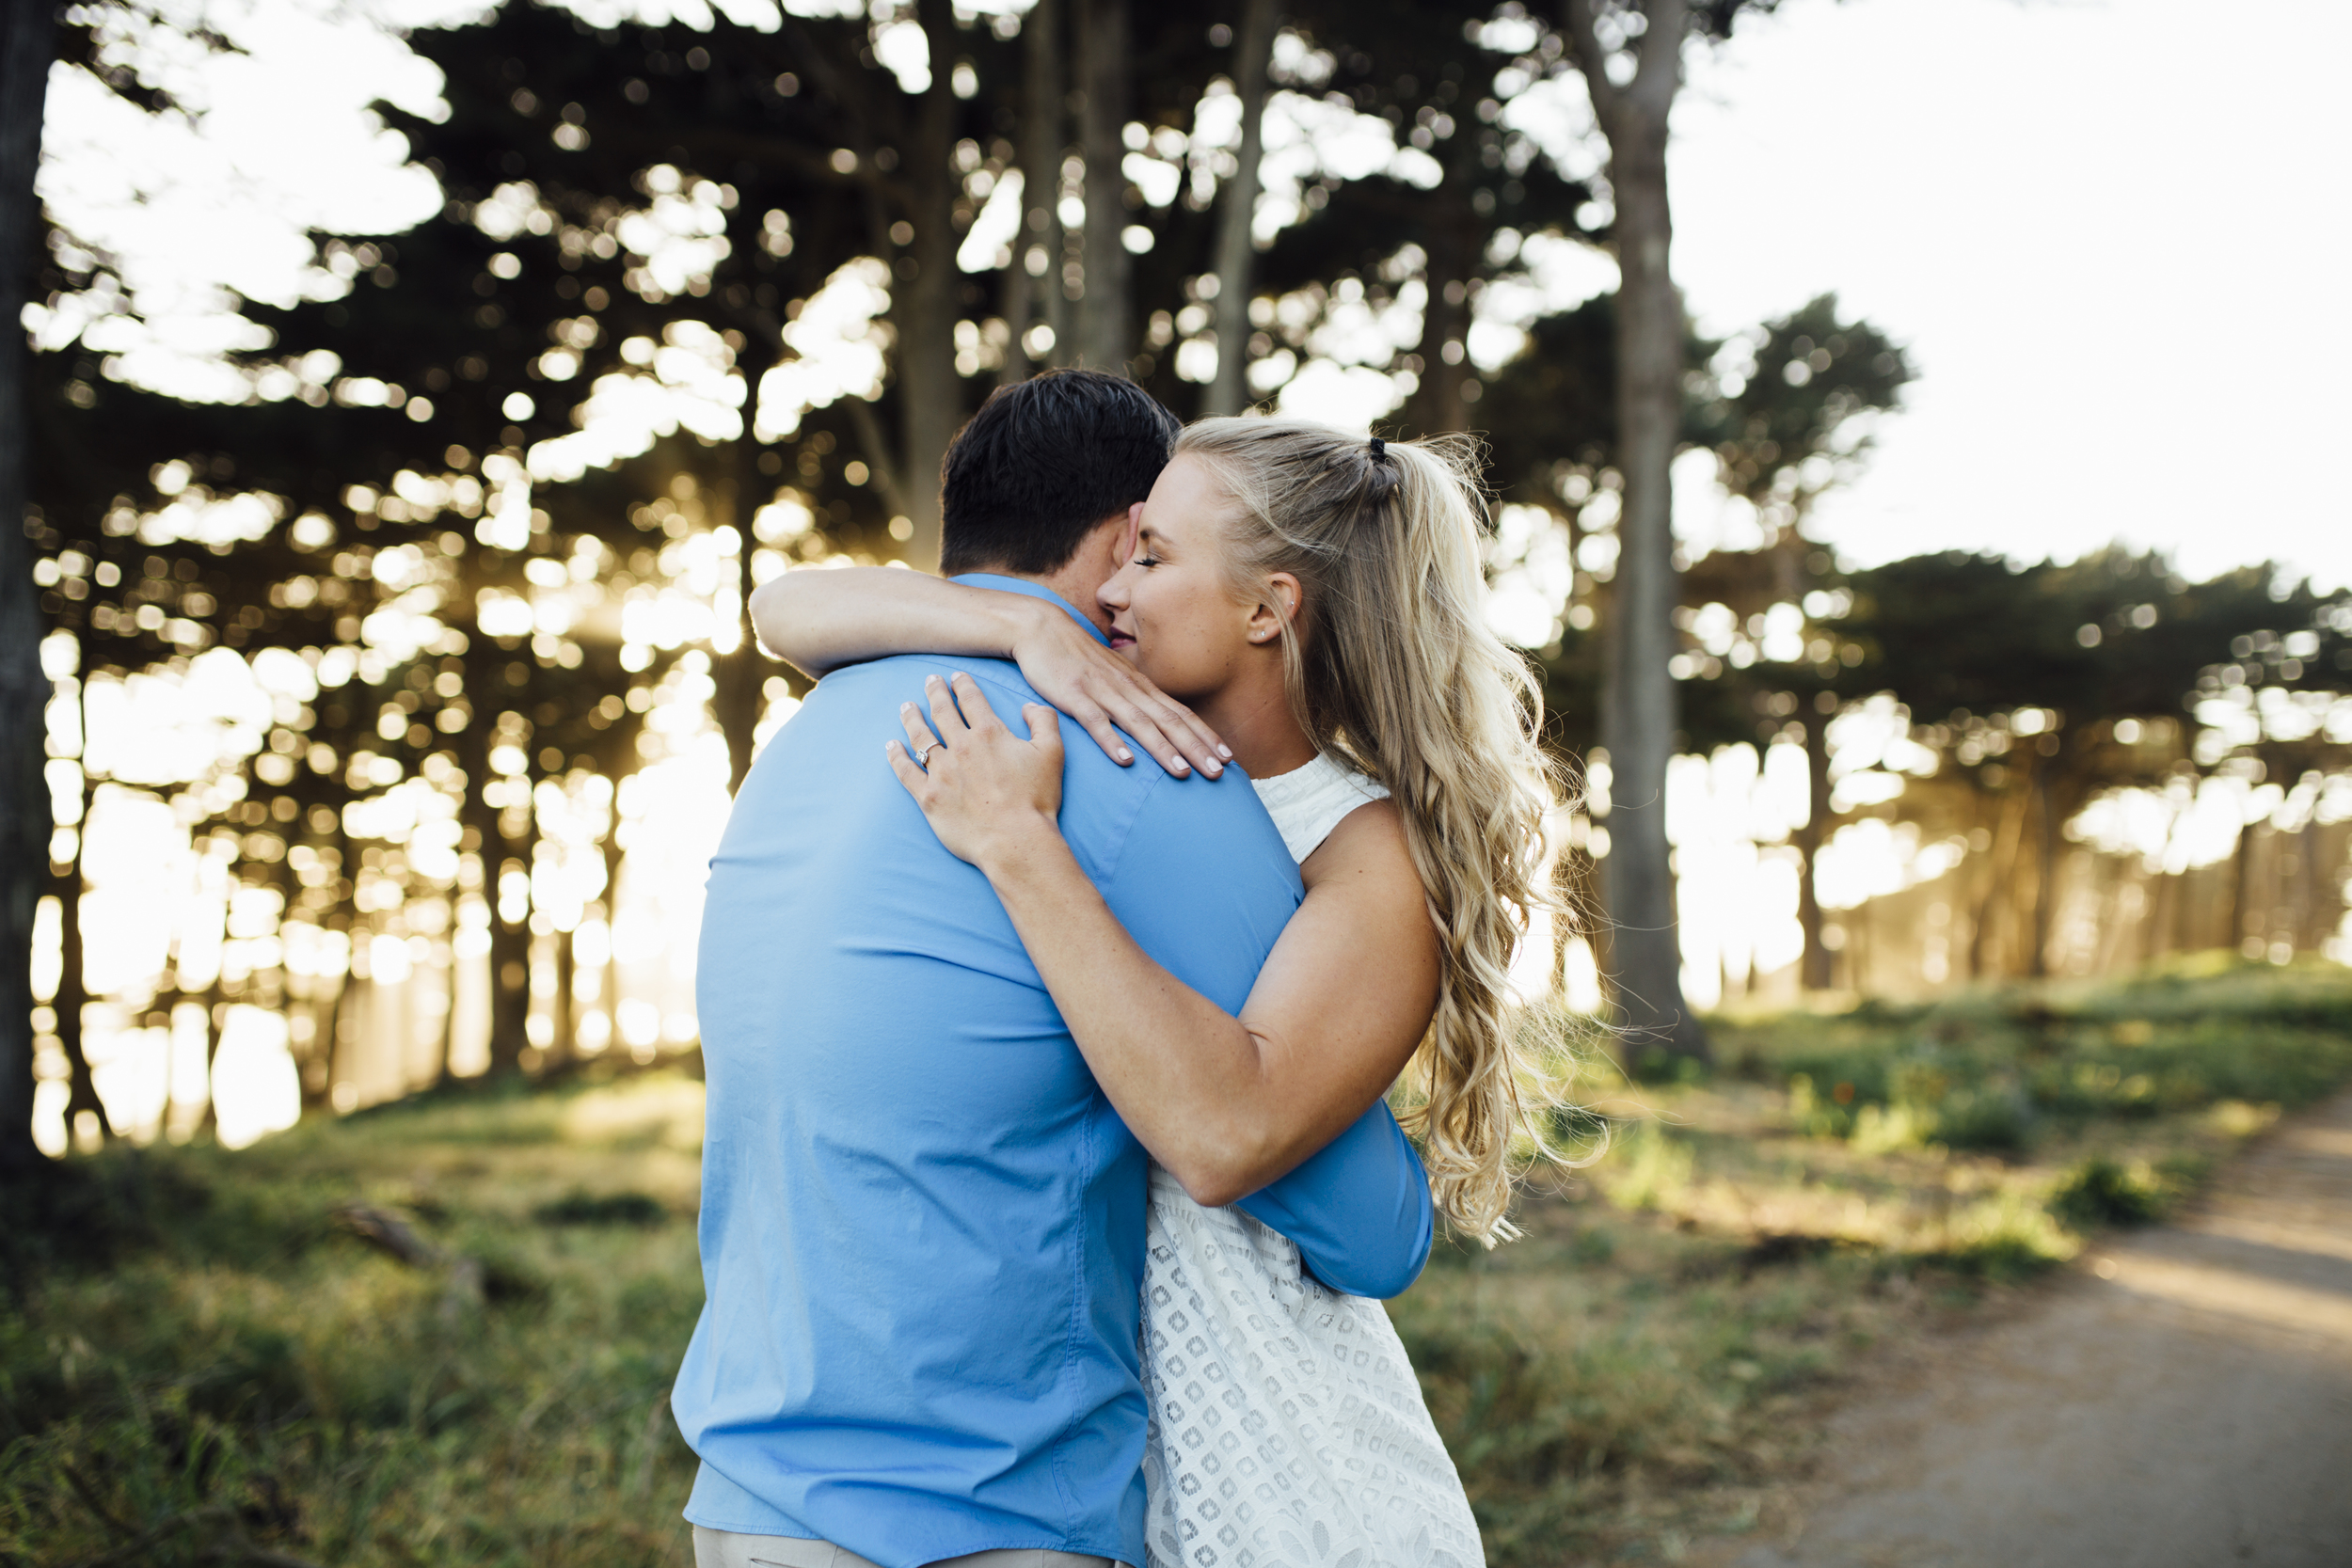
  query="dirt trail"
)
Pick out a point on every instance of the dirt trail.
point(2184, 1400)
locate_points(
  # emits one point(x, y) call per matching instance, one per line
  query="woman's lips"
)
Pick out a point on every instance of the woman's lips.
point(1120, 638)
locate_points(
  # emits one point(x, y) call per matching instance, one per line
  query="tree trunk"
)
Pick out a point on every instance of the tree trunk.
point(742, 674)
point(930, 392)
point(2244, 922)
point(72, 982)
point(1437, 406)
point(1253, 46)
point(1053, 83)
point(1815, 972)
point(27, 43)
point(1016, 301)
point(74, 993)
point(1638, 707)
point(2001, 871)
point(562, 1009)
point(1043, 142)
point(1104, 340)
point(2059, 793)
point(510, 943)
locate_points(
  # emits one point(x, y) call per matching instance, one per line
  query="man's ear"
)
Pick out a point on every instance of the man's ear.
point(1113, 539)
point(1279, 604)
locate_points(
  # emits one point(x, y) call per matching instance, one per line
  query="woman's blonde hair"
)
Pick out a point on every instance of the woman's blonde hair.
point(1390, 666)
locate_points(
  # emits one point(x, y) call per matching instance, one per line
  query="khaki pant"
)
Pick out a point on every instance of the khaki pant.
point(718, 1549)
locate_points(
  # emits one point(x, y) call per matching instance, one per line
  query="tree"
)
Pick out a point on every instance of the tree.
point(1785, 408)
point(27, 43)
point(1968, 642)
point(1638, 702)
point(413, 438)
point(1237, 207)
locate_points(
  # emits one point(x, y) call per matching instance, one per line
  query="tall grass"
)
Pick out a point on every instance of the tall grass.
point(235, 1376)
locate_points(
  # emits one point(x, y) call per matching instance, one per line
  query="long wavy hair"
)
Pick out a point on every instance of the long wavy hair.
point(1390, 666)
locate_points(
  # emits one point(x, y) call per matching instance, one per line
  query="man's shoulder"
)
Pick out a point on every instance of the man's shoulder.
point(896, 671)
point(1116, 797)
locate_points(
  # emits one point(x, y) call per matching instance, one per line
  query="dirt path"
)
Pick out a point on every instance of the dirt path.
point(2184, 1401)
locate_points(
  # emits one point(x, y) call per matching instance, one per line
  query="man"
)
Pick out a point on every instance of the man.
point(922, 1226)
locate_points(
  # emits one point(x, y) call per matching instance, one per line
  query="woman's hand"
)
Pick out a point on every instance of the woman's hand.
point(988, 793)
point(1106, 694)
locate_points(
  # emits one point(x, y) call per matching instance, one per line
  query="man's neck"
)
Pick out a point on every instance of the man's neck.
point(1076, 586)
point(1079, 580)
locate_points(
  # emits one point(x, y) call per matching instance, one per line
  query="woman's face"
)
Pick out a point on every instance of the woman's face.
point(1173, 607)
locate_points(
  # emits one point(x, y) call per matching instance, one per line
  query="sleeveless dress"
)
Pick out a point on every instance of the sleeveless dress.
point(1287, 1430)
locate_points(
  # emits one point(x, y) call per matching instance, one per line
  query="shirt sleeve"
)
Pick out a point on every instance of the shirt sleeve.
point(1359, 1209)
point(1204, 883)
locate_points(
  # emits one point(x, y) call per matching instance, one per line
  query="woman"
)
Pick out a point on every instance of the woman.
point(1314, 598)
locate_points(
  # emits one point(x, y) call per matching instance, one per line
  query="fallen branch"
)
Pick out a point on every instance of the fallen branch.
point(388, 1232)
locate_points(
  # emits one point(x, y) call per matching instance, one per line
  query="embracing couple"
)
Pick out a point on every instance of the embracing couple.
point(1048, 1185)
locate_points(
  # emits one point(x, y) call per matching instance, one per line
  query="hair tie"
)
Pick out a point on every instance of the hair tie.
point(1379, 450)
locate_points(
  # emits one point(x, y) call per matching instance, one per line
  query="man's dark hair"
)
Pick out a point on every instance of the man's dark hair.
point(1043, 463)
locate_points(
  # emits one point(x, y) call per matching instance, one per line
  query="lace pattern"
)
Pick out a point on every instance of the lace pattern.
point(1287, 1430)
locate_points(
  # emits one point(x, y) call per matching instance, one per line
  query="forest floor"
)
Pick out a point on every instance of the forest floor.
point(202, 1360)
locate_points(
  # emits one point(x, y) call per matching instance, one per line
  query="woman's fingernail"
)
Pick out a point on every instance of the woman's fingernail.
point(1224, 751)
point(1180, 766)
point(1214, 770)
point(1126, 756)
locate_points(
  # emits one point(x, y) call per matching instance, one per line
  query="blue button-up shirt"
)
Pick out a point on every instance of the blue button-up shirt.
point(922, 1221)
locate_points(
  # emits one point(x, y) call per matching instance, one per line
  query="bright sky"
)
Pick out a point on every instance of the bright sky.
point(2113, 235)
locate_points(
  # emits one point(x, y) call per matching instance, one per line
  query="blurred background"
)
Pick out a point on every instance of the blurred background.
point(419, 394)
point(417, 389)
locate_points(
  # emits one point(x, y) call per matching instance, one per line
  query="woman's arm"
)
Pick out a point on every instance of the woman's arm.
point(823, 620)
point(1226, 1104)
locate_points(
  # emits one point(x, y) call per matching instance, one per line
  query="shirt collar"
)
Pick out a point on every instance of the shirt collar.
point(1036, 590)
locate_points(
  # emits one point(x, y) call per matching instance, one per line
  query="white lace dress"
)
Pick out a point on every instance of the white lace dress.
point(1287, 1430)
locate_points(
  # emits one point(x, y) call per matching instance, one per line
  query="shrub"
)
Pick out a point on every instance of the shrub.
point(579, 1207)
point(2099, 1193)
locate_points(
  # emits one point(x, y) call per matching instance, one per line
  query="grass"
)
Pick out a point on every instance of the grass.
point(209, 1369)
point(200, 1363)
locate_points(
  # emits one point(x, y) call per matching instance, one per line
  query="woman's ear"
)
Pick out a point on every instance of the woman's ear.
point(1279, 605)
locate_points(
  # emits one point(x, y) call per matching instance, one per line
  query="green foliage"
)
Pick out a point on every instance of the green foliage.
point(1650, 1166)
point(2102, 1192)
point(579, 1207)
point(1987, 1072)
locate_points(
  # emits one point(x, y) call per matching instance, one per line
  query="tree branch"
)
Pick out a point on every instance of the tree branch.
point(1658, 74)
point(1592, 60)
